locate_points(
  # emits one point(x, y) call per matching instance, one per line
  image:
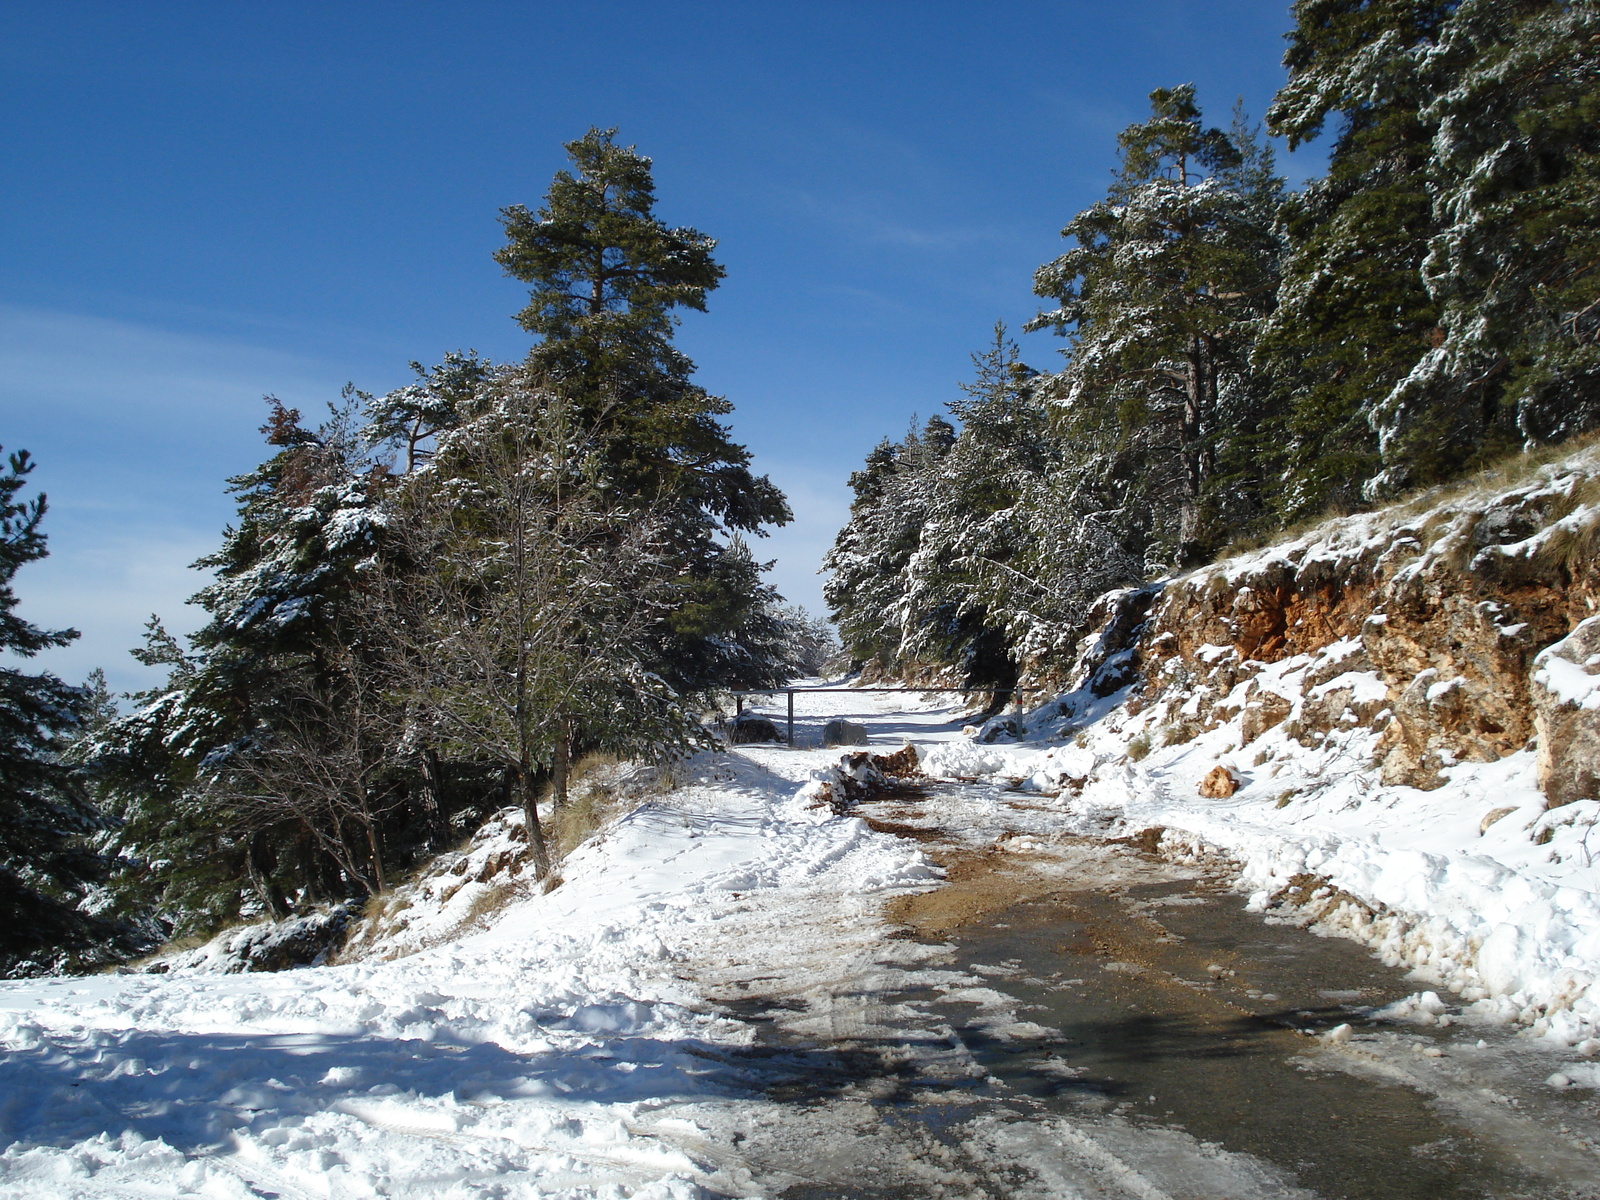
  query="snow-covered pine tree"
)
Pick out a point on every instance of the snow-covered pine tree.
point(864, 582)
point(170, 863)
point(1162, 299)
point(1515, 264)
point(868, 586)
point(1440, 288)
point(1354, 316)
point(47, 864)
point(525, 597)
point(608, 278)
point(962, 584)
point(809, 641)
point(1041, 541)
point(411, 417)
point(282, 614)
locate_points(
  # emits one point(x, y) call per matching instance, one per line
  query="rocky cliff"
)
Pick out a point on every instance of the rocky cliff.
point(1461, 627)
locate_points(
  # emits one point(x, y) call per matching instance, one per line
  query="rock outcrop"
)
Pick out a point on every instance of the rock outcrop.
point(840, 732)
point(1459, 626)
point(748, 729)
point(1566, 714)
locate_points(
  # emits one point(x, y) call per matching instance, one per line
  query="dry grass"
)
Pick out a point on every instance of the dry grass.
point(591, 803)
point(492, 899)
point(1180, 733)
point(1510, 471)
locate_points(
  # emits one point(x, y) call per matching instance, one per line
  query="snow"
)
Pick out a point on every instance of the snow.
point(1507, 916)
point(493, 1039)
point(573, 1043)
point(1577, 684)
point(539, 1047)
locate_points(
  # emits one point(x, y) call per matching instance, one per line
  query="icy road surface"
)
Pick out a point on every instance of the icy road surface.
point(717, 1001)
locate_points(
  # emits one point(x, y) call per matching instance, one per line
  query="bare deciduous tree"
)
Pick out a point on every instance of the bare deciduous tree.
point(523, 599)
point(317, 767)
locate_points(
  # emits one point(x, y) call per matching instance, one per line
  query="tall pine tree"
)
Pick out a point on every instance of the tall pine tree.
point(46, 863)
point(608, 278)
point(1515, 263)
point(1354, 316)
point(1162, 298)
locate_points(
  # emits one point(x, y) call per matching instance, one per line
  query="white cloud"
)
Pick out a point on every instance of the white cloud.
point(107, 590)
point(125, 373)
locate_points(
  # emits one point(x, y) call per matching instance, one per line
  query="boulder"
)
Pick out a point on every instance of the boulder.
point(749, 728)
point(1219, 783)
point(1263, 713)
point(840, 732)
point(1565, 689)
point(1490, 817)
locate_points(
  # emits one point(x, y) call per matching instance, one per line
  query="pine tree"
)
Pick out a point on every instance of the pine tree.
point(1354, 316)
point(869, 564)
point(411, 417)
point(608, 278)
point(1515, 264)
point(962, 588)
point(1163, 296)
point(524, 597)
point(46, 863)
point(283, 611)
point(173, 869)
point(866, 561)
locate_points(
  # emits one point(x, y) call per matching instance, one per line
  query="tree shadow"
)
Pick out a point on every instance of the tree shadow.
point(193, 1090)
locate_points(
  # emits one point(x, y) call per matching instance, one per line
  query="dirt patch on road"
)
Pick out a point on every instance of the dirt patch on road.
point(916, 833)
point(980, 882)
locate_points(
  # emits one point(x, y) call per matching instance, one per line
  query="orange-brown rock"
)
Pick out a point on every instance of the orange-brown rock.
point(1567, 715)
point(1434, 610)
point(1219, 783)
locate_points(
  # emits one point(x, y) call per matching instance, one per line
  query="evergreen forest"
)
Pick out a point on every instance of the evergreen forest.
point(1238, 357)
point(430, 603)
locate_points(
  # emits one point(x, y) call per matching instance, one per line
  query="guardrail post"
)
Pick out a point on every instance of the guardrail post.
point(790, 694)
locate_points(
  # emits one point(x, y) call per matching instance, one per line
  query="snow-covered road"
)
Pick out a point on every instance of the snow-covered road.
point(677, 1019)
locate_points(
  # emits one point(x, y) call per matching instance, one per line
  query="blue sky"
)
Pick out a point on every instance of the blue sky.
point(204, 203)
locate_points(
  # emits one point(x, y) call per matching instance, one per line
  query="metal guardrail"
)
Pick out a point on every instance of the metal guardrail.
point(790, 693)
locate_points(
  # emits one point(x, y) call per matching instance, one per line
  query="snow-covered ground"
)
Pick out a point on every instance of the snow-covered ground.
point(548, 1055)
point(594, 1041)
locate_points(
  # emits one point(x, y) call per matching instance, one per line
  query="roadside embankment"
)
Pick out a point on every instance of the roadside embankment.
point(1392, 722)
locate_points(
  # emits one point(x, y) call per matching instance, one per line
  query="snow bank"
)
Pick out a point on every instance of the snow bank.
point(1398, 696)
point(530, 1059)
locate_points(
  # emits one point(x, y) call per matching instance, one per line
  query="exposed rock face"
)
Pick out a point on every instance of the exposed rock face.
point(1566, 707)
point(305, 940)
point(1422, 622)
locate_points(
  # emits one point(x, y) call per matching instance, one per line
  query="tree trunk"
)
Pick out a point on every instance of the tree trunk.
point(433, 799)
point(375, 854)
point(537, 850)
point(259, 866)
point(1189, 432)
point(562, 768)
